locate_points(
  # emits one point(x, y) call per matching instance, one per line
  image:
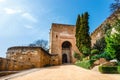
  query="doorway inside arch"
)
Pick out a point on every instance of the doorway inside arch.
point(66, 52)
point(64, 58)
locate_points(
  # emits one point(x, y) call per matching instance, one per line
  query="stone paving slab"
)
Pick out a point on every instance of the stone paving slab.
point(63, 72)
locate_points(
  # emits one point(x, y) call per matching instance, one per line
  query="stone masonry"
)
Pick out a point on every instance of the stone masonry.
point(63, 42)
point(25, 57)
point(98, 32)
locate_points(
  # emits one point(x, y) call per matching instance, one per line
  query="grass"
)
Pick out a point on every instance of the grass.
point(84, 64)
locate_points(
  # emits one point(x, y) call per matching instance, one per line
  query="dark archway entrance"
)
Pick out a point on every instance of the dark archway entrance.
point(64, 58)
point(66, 52)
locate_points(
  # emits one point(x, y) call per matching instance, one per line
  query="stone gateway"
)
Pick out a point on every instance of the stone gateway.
point(63, 42)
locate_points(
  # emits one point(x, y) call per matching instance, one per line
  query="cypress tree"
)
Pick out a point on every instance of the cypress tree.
point(78, 23)
point(87, 34)
point(83, 41)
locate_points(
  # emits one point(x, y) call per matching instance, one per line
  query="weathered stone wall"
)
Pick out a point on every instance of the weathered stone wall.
point(45, 58)
point(35, 56)
point(20, 58)
point(54, 59)
point(12, 65)
point(98, 32)
point(24, 57)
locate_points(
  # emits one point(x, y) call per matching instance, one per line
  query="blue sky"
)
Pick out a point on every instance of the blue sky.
point(24, 21)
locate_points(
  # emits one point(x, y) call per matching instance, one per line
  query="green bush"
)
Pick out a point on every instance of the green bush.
point(102, 55)
point(77, 56)
point(94, 51)
point(105, 55)
point(85, 51)
point(95, 57)
point(118, 69)
point(118, 63)
point(109, 69)
point(85, 64)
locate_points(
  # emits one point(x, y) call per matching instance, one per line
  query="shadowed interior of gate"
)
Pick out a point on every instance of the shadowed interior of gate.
point(66, 52)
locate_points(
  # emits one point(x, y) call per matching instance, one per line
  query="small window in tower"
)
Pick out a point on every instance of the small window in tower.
point(29, 59)
point(56, 36)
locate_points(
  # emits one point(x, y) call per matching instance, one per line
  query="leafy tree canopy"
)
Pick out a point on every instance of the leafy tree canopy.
point(113, 42)
point(115, 6)
point(40, 43)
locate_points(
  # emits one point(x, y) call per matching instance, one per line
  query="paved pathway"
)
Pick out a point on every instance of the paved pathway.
point(64, 72)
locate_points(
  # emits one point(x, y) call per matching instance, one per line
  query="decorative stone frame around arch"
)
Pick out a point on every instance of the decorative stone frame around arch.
point(66, 52)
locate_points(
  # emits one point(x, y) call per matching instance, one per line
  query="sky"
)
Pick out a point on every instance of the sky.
point(25, 21)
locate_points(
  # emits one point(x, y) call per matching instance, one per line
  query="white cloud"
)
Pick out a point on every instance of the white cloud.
point(29, 17)
point(2, 0)
point(12, 11)
point(28, 26)
point(22, 13)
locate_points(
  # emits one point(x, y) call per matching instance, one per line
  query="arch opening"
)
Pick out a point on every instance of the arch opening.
point(66, 52)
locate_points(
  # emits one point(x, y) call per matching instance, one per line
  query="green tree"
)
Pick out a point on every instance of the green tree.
point(83, 40)
point(78, 23)
point(113, 42)
point(115, 6)
point(115, 9)
point(100, 45)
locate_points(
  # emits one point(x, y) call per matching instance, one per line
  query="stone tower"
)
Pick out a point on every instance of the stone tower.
point(63, 42)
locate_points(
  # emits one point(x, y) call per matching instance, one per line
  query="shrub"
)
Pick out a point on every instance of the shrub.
point(109, 69)
point(105, 55)
point(100, 44)
point(94, 51)
point(85, 64)
point(85, 51)
point(102, 55)
point(77, 56)
point(95, 57)
point(118, 69)
point(118, 63)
